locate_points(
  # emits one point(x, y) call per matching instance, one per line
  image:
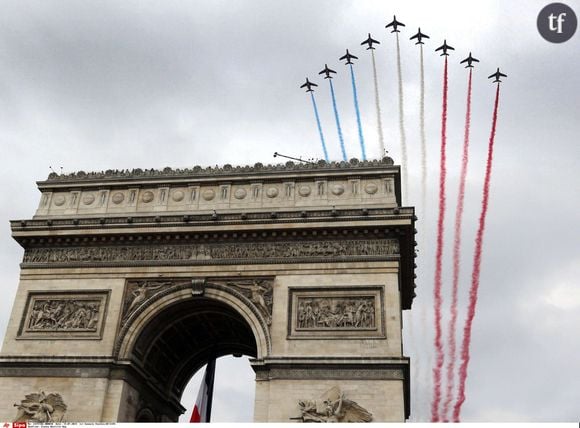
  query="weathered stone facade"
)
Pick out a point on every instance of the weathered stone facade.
point(306, 268)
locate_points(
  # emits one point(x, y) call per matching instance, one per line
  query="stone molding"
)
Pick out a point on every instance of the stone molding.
point(352, 184)
point(218, 171)
point(208, 253)
point(64, 315)
point(329, 374)
point(220, 218)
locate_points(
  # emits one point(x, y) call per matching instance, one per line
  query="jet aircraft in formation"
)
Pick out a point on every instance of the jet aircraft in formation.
point(394, 23)
point(327, 72)
point(348, 56)
point(308, 85)
point(419, 36)
point(469, 60)
point(497, 76)
point(370, 42)
point(445, 47)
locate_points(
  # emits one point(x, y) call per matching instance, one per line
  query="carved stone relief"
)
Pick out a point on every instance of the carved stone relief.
point(39, 407)
point(197, 252)
point(64, 315)
point(337, 312)
point(139, 291)
point(258, 291)
point(332, 406)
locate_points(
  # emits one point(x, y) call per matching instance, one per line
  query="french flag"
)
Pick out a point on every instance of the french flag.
point(202, 409)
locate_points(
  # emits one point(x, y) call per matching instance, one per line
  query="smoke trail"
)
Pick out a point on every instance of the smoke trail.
point(423, 140)
point(319, 127)
point(339, 129)
point(402, 123)
point(476, 268)
point(378, 106)
point(358, 121)
point(438, 260)
point(457, 257)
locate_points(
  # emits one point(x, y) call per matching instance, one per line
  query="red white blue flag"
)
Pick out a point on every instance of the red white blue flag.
point(202, 409)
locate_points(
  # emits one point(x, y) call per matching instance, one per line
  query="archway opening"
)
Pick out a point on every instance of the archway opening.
point(234, 391)
point(179, 341)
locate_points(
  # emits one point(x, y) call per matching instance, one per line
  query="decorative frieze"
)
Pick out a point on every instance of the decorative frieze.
point(336, 312)
point(65, 315)
point(203, 252)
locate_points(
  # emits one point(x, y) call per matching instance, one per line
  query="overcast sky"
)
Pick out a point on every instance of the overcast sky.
point(127, 84)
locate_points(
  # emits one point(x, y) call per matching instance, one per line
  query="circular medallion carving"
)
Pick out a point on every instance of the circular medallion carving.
point(371, 188)
point(118, 198)
point(178, 196)
point(338, 189)
point(59, 200)
point(208, 194)
point(147, 196)
point(272, 192)
point(240, 193)
point(304, 191)
point(88, 199)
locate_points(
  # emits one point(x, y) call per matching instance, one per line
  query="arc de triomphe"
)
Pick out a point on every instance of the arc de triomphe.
point(130, 280)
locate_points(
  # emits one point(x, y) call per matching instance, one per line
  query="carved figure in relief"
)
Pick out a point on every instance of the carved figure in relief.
point(332, 406)
point(333, 313)
point(41, 408)
point(142, 292)
point(258, 295)
point(64, 314)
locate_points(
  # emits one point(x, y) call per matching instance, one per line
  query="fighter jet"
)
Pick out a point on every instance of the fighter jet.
point(348, 57)
point(469, 60)
point(497, 76)
point(308, 85)
point(394, 24)
point(444, 47)
point(370, 42)
point(419, 36)
point(327, 71)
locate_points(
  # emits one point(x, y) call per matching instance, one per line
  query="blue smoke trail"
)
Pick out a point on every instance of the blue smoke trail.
point(319, 126)
point(337, 121)
point(360, 133)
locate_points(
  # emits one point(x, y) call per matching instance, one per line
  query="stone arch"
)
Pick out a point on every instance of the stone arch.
point(229, 323)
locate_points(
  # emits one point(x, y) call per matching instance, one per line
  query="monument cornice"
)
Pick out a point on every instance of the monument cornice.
point(227, 171)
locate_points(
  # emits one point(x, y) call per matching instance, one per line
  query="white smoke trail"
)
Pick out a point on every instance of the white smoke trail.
point(378, 105)
point(423, 142)
point(402, 126)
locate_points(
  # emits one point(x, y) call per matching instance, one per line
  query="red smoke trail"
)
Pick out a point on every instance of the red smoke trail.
point(457, 258)
point(439, 356)
point(476, 269)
